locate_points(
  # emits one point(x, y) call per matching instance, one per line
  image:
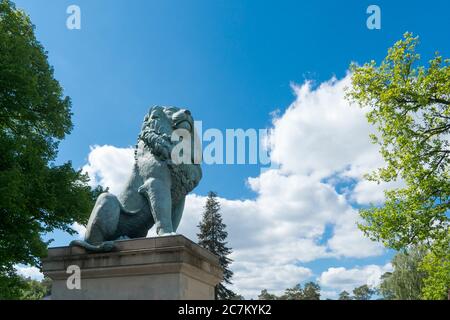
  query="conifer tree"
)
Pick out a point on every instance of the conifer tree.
point(212, 236)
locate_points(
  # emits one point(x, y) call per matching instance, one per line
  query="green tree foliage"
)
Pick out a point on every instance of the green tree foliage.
point(36, 196)
point(294, 293)
point(98, 190)
point(406, 280)
point(436, 264)
point(363, 292)
point(265, 295)
point(409, 104)
point(237, 297)
point(212, 236)
point(344, 295)
point(310, 291)
point(35, 290)
point(47, 284)
point(21, 288)
point(11, 285)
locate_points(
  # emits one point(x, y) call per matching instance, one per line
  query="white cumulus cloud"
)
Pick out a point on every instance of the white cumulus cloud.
point(348, 279)
point(109, 166)
point(80, 229)
point(29, 272)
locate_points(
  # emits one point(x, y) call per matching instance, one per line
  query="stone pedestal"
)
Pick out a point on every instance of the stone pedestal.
point(170, 267)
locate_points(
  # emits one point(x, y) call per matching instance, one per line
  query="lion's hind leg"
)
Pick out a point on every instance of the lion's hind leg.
point(104, 219)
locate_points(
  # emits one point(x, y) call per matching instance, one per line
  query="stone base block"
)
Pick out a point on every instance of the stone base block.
point(171, 268)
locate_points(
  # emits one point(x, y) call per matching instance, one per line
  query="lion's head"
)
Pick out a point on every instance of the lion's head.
point(156, 133)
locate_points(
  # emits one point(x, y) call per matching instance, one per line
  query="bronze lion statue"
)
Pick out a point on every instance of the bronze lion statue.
point(156, 191)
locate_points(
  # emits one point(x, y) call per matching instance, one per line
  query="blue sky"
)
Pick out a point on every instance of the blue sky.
point(232, 63)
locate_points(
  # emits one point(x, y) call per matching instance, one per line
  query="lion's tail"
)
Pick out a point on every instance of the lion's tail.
point(106, 246)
